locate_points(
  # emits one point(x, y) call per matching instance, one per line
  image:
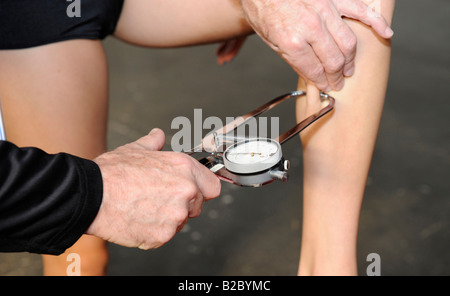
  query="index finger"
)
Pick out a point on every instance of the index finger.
point(207, 182)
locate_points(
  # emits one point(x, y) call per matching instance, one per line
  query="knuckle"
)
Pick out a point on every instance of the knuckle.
point(189, 189)
point(183, 160)
point(362, 10)
point(359, 8)
point(313, 20)
point(316, 72)
point(292, 44)
point(165, 235)
point(335, 64)
point(349, 43)
point(180, 215)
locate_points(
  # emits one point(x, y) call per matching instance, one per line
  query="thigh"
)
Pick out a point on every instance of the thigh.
point(162, 23)
point(55, 96)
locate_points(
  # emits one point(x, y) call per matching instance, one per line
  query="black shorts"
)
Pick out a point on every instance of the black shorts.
point(29, 23)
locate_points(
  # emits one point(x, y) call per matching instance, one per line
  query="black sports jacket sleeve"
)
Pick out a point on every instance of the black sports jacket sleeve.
point(46, 201)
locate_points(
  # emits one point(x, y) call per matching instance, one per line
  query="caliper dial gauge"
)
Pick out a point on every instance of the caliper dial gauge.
point(252, 156)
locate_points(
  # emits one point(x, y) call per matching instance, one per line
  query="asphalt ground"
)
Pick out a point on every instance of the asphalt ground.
point(405, 215)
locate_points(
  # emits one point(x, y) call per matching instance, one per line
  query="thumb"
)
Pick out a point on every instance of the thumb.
point(154, 141)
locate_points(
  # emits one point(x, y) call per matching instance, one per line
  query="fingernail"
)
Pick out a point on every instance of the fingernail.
point(340, 86)
point(389, 32)
point(153, 131)
point(350, 71)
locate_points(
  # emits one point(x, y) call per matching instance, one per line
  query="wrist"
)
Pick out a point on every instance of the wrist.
point(95, 227)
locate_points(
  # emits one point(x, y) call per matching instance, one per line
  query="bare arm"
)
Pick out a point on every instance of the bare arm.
point(337, 156)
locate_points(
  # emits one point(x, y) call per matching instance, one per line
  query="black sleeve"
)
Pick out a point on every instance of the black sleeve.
point(46, 201)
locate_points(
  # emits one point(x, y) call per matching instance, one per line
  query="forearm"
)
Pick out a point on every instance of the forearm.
point(337, 155)
point(46, 201)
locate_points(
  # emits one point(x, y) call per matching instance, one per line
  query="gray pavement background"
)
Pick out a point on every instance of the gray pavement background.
point(405, 215)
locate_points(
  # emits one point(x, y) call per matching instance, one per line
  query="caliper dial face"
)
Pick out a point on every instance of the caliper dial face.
point(252, 155)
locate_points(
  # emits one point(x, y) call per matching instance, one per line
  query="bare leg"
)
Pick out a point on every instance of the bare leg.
point(161, 23)
point(337, 156)
point(55, 97)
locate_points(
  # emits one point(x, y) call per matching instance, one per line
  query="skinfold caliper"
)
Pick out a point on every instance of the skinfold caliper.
point(253, 161)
